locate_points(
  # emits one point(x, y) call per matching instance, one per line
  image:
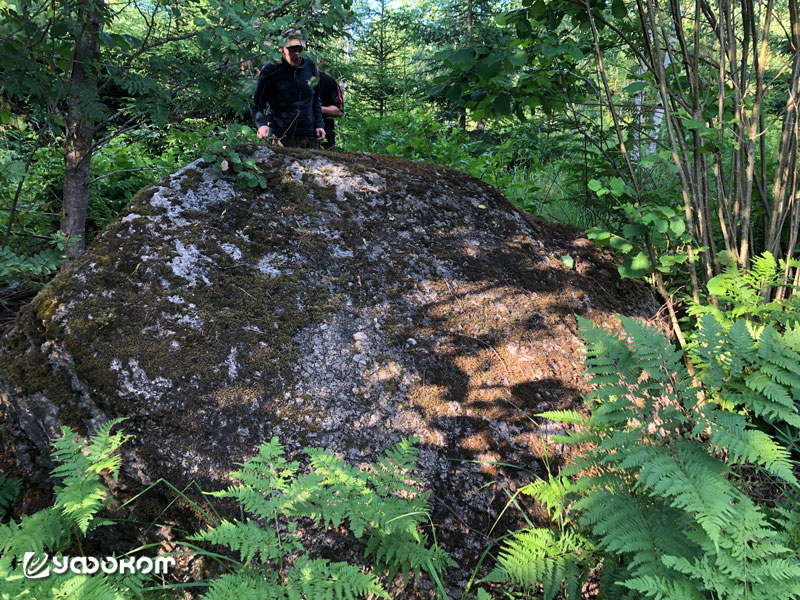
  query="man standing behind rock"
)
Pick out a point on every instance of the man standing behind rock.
point(291, 90)
point(332, 107)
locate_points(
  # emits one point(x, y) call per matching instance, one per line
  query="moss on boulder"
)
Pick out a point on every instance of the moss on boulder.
point(356, 300)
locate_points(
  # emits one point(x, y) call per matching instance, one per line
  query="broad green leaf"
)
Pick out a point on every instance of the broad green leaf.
point(617, 186)
point(635, 266)
point(636, 86)
point(618, 9)
point(107, 40)
point(548, 50)
point(677, 226)
point(463, 56)
point(620, 244)
point(597, 233)
point(519, 59)
point(594, 185)
point(575, 52)
point(538, 9)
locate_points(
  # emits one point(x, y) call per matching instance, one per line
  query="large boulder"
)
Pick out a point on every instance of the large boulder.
point(356, 300)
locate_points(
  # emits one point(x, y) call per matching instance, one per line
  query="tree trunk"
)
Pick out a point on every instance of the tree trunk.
point(79, 132)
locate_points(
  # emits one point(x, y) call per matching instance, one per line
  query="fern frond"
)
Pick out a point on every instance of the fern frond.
point(81, 499)
point(640, 528)
point(692, 480)
point(245, 585)
point(732, 432)
point(664, 588)
point(395, 551)
point(551, 492)
point(707, 349)
point(763, 383)
point(739, 394)
point(543, 556)
point(87, 588)
point(322, 579)
point(83, 492)
point(44, 530)
point(67, 451)
point(269, 470)
point(248, 539)
point(252, 500)
point(101, 446)
point(393, 472)
point(563, 416)
point(750, 561)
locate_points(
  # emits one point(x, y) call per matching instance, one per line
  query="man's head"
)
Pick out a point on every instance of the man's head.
point(292, 45)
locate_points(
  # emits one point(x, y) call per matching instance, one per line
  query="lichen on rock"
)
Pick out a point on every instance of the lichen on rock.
point(356, 300)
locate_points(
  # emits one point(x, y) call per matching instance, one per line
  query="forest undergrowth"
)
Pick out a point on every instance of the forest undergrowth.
point(684, 485)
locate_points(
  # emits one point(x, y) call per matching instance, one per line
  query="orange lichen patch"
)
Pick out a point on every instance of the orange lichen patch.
point(475, 443)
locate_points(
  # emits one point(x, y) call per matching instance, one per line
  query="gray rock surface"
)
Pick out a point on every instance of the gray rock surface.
point(356, 300)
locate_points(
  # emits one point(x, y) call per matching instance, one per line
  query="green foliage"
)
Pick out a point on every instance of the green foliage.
point(650, 225)
point(20, 268)
point(382, 507)
point(223, 155)
point(544, 556)
point(50, 531)
point(742, 293)
point(663, 495)
point(83, 492)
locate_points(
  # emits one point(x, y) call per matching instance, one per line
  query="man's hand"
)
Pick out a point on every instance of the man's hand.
point(263, 132)
point(320, 134)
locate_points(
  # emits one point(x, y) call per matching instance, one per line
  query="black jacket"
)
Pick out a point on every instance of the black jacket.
point(293, 97)
point(330, 94)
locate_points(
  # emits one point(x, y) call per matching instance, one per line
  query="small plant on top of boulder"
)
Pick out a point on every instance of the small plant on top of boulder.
point(224, 156)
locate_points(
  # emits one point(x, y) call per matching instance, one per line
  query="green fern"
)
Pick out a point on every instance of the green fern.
point(656, 490)
point(49, 531)
point(382, 507)
point(249, 539)
point(543, 556)
point(83, 493)
point(741, 294)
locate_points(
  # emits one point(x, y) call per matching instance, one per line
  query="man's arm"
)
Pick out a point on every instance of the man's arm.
point(316, 107)
point(259, 105)
point(332, 111)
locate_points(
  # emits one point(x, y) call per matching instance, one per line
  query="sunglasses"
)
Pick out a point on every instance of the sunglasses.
point(295, 48)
